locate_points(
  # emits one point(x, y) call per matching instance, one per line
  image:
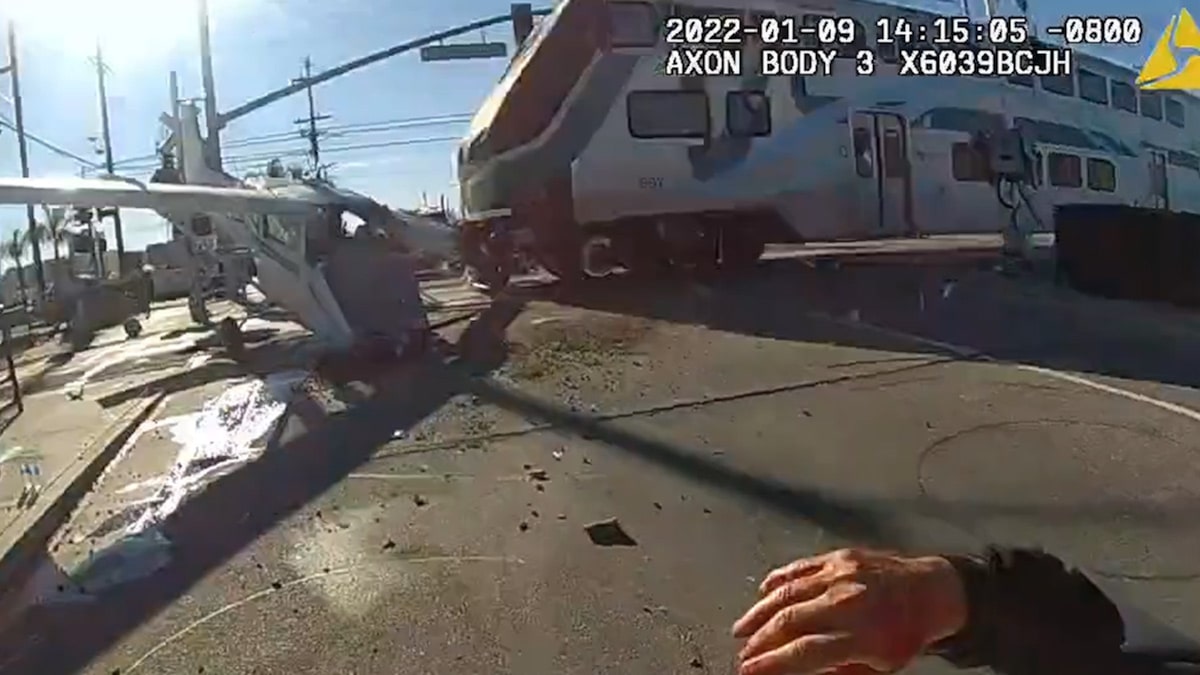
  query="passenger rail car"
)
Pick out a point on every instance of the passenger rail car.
point(589, 147)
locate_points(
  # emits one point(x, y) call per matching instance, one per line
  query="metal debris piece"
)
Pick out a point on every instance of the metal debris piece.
point(609, 533)
point(539, 475)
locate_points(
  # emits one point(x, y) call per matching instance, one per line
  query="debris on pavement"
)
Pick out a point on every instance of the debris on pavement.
point(539, 475)
point(389, 545)
point(132, 557)
point(557, 454)
point(609, 533)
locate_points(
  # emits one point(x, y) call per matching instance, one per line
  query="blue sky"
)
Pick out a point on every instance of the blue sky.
point(260, 45)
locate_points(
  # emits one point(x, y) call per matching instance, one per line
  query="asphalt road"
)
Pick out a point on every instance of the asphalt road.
point(438, 524)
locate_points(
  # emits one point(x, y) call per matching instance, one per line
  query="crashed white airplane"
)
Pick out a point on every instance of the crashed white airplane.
point(338, 260)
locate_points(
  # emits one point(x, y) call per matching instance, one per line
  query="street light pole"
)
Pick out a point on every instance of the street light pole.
point(14, 71)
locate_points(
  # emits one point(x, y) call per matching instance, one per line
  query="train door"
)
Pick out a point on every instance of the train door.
point(1159, 189)
point(884, 178)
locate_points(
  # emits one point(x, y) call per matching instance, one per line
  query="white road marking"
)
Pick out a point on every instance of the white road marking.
point(968, 352)
point(324, 574)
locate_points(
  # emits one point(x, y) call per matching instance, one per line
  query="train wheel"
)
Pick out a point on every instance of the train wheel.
point(230, 335)
point(133, 328)
point(197, 310)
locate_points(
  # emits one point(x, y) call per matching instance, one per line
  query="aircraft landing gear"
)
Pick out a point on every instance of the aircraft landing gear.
point(197, 308)
point(230, 335)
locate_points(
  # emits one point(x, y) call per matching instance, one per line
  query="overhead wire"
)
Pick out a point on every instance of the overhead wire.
point(282, 153)
point(379, 126)
point(7, 123)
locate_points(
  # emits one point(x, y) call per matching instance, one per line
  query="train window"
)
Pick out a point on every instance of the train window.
point(893, 154)
point(1021, 80)
point(960, 119)
point(1093, 87)
point(808, 31)
point(1065, 170)
point(1111, 144)
point(668, 114)
point(1058, 84)
point(1174, 110)
point(748, 113)
point(1053, 132)
point(1152, 105)
point(1185, 160)
point(632, 24)
point(864, 155)
point(888, 52)
point(1101, 175)
point(850, 49)
point(1124, 97)
point(968, 164)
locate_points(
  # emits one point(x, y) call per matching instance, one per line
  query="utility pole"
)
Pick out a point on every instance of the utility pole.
point(108, 155)
point(312, 133)
point(14, 71)
point(212, 118)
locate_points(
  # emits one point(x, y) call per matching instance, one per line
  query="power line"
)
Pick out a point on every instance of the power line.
point(360, 127)
point(300, 152)
point(5, 122)
point(381, 126)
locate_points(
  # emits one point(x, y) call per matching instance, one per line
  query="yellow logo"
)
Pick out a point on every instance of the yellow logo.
point(1175, 61)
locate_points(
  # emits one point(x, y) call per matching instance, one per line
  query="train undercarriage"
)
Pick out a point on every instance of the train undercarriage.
point(650, 247)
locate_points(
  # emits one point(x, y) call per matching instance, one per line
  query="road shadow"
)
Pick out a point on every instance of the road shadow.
point(233, 511)
point(957, 301)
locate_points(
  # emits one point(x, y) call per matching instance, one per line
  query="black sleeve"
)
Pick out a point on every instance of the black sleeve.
point(1028, 614)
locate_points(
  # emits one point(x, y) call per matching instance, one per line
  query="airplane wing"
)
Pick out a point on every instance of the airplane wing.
point(161, 197)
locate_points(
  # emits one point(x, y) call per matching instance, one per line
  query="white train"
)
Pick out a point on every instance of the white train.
point(587, 146)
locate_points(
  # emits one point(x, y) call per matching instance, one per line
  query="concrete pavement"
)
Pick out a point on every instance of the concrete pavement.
point(432, 518)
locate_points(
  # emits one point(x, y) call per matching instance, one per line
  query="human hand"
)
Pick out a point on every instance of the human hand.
point(850, 612)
